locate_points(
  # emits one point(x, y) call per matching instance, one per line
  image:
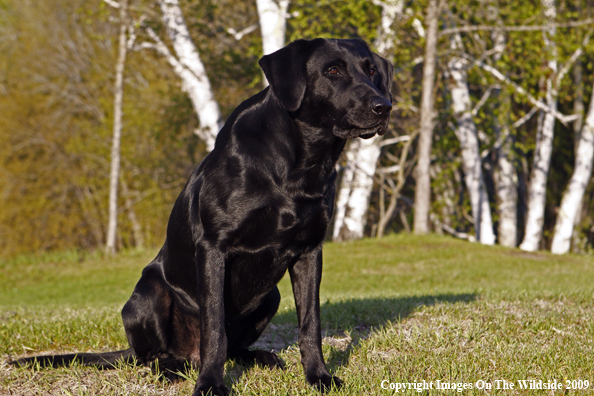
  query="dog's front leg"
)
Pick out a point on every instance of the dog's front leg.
point(306, 276)
point(213, 339)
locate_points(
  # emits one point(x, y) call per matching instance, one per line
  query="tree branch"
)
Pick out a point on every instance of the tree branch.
point(564, 119)
point(239, 35)
point(390, 169)
point(161, 48)
point(132, 34)
point(482, 101)
point(112, 3)
point(521, 28)
point(574, 57)
point(525, 118)
point(395, 140)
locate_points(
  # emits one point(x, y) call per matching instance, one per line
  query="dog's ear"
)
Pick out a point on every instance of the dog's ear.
point(285, 71)
point(386, 74)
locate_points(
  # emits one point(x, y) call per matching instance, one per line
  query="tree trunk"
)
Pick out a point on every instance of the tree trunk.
point(190, 68)
point(272, 16)
point(506, 177)
point(356, 186)
point(578, 103)
point(506, 182)
point(362, 155)
point(114, 176)
point(136, 227)
point(469, 145)
point(423, 179)
point(544, 145)
point(572, 197)
point(578, 108)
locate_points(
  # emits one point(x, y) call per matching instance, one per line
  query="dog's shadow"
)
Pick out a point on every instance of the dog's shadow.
point(347, 323)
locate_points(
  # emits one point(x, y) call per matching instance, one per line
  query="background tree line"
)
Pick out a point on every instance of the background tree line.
point(508, 79)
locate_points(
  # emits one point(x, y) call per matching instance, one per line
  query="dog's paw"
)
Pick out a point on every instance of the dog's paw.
point(325, 382)
point(210, 390)
point(268, 359)
point(171, 376)
point(171, 370)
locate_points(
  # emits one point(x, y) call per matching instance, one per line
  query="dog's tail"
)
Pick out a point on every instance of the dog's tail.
point(105, 360)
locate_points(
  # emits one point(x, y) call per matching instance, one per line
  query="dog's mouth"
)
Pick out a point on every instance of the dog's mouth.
point(358, 124)
point(367, 135)
point(363, 133)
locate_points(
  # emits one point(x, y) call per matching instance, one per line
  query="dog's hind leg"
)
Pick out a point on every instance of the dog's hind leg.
point(243, 332)
point(148, 317)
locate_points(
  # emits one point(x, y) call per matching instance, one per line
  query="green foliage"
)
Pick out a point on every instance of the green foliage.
point(57, 61)
point(334, 19)
point(524, 61)
point(57, 105)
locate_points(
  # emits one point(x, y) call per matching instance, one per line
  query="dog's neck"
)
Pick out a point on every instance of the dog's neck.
point(317, 145)
point(314, 149)
point(314, 159)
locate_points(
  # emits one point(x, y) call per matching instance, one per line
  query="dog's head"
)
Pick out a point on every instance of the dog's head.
point(335, 84)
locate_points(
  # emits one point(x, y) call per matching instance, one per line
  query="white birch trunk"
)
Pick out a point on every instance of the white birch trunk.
point(538, 177)
point(544, 146)
point(578, 103)
point(506, 178)
point(136, 227)
point(356, 186)
point(422, 171)
point(572, 197)
point(578, 108)
point(272, 15)
point(190, 69)
point(469, 145)
point(344, 192)
point(114, 176)
point(506, 182)
point(362, 155)
point(391, 10)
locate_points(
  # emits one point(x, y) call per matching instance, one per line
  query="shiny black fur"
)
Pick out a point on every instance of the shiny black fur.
point(258, 205)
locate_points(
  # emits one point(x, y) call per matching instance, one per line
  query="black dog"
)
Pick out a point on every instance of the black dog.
point(257, 206)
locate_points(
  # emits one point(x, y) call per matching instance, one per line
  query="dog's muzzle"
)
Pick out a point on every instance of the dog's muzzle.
point(365, 123)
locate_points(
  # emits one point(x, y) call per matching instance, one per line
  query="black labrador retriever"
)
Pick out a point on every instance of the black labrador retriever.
point(258, 205)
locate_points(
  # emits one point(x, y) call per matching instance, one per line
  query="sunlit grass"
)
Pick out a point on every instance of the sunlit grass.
point(402, 309)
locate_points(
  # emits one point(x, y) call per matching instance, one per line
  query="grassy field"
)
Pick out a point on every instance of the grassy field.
point(402, 311)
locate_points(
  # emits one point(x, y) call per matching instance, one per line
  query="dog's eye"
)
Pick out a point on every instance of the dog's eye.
point(333, 71)
point(372, 72)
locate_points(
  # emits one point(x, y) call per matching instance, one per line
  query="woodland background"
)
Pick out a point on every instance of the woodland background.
point(495, 84)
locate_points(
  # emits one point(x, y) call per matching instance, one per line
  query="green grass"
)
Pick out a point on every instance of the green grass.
point(402, 309)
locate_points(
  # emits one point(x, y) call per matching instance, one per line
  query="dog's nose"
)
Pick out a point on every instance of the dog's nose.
point(380, 106)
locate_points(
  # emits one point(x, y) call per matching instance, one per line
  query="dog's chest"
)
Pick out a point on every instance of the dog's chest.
point(292, 224)
point(259, 262)
point(306, 228)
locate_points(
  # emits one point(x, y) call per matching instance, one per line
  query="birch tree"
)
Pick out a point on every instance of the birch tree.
point(506, 189)
point(355, 189)
point(544, 141)
point(469, 144)
point(362, 155)
point(506, 178)
point(114, 176)
point(571, 202)
point(422, 172)
point(186, 63)
point(578, 108)
point(272, 15)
